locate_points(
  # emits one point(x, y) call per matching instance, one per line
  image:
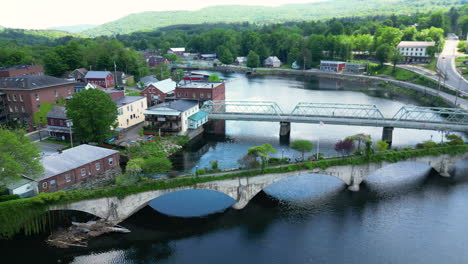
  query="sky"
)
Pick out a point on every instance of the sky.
point(41, 14)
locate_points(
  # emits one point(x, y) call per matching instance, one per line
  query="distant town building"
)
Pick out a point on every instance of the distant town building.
point(58, 125)
point(415, 51)
point(356, 68)
point(332, 66)
point(75, 165)
point(194, 76)
point(175, 117)
point(24, 187)
point(212, 56)
point(12, 71)
point(154, 61)
point(295, 66)
point(176, 51)
point(240, 61)
point(102, 78)
point(76, 75)
point(130, 111)
point(3, 109)
point(272, 62)
point(157, 92)
point(25, 93)
point(200, 90)
point(146, 81)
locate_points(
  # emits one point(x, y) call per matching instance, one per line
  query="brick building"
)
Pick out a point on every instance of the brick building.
point(75, 165)
point(157, 92)
point(58, 123)
point(12, 71)
point(102, 78)
point(201, 91)
point(154, 61)
point(25, 93)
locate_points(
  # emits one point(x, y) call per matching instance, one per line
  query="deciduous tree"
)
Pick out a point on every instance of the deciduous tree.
point(302, 146)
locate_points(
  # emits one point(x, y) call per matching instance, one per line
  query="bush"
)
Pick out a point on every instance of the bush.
point(426, 145)
point(9, 197)
point(214, 165)
point(382, 145)
point(454, 139)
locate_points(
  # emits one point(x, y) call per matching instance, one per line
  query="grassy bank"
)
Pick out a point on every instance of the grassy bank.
point(30, 215)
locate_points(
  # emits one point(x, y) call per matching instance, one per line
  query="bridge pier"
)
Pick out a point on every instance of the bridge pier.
point(285, 132)
point(387, 135)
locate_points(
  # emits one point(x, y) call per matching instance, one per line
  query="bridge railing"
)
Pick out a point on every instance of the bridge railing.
point(242, 107)
point(432, 114)
point(363, 111)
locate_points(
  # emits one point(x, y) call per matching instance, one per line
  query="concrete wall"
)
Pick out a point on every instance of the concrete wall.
point(243, 189)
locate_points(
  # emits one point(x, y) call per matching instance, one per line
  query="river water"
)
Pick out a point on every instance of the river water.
point(404, 213)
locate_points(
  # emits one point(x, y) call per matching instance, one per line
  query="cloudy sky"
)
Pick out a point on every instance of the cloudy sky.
point(40, 14)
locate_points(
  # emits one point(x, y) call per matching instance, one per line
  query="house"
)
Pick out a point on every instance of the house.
point(175, 117)
point(3, 109)
point(176, 51)
point(130, 111)
point(76, 75)
point(12, 71)
point(199, 77)
point(85, 86)
point(23, 187)
point(240, 61)
point(295, 65)
point(272, 62)
point(332, 66)
point(25, 93)
point(58, 125)
point(208, 56)
point(356, 68)
point(102, 78)
point(415, 51)
point(157, 92)
point(200, 90)
point(154, 61)
point(146, 81)
point(75, 165)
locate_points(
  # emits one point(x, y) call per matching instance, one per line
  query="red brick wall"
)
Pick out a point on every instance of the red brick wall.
point(217, 93)
point(150, 91)
point(75, 174)
point(106, 83)
point(57, 122)
point(32, 70)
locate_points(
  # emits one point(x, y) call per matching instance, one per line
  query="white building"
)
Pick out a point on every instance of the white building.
point(175, 117)
point(130, 111)
point(23, 187)
point(272, 61)
point(415, 51)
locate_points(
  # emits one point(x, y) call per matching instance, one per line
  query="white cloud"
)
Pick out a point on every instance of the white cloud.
point(34, 14)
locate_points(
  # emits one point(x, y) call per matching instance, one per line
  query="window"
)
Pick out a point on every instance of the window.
point(194, 95)
point(61, 123)
point(131, 108)
point(52, 122)
point(209, 95)
point(37, 97)
point(67, 177)
point(69, 90)
point(120, 111)
point(178, 95)
point(16, 109)
point(21, 97)
point(98, 166)
point(8, 97)
point(111, 161)
point(186, 94)
point(83, 172)
point(128, 108)
point(141, 104)
point(14, 97)
point(53, 183)
point(55, 93)
point(11, 109)
point(202, 95)
point(22, 109)
point(44, 185)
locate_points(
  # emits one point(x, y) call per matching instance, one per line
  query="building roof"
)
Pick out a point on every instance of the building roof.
point(18, 183)
point(82, 71)
point(57, 112)
point(241, 59)
point(97, 74)
point(416, 44)
point(198, 116)
point(165, 86)
point(17, 67)
point(127, 100)
point(178, 105)
point(332, 62)
point(213, 55)
point(73, 158)
point(197, 84)
point(29, 82)
point(149, 79)
point(177, 49)
point(272, 59)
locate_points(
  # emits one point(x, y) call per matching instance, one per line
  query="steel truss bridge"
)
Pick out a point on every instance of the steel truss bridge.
point(414, 117)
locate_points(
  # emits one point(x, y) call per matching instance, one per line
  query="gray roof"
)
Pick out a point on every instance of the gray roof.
point(29, 82)
point(415, 44)
point(179, 105)
point(127, 100)
point(165, 86)
point(73, 158)
point(148, 79)
point(16, 67)
point(272, 59)
point(57, 112)
point(97, 74)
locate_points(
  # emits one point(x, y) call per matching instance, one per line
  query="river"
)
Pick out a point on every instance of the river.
point(404, 213)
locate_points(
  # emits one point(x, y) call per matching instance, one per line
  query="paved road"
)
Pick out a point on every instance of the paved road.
point(49, 148)
point(446, 64)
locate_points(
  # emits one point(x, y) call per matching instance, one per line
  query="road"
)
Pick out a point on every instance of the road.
point(446, 64)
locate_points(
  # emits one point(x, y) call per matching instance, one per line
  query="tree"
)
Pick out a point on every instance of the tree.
point(162, 71)
point(156, 165)
point(53, 64)
point(224, 55)
point(382, 145)
point(382, 53)
point(253, 60)
point(261, 152)
point(214, 78)
point(177, 75)
point(395, 57)
point(345, 147)
point(454, 139)
point(134, 166)
point(40, 118)
point(172, 57)
point(93, 114)
point(361, 137)
point(18, 157)
point(336, 28)
point(302, 146)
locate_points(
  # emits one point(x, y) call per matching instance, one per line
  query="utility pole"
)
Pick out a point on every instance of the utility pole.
point(115, 75)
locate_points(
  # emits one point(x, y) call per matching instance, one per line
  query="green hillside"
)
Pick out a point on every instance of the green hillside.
point(262, 14)
point(74, 28)
point(34, 37)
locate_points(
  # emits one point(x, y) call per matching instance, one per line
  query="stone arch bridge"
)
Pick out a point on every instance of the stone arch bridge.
point(243, 189)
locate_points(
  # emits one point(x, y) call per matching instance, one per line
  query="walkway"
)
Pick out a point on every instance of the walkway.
point(446, 64)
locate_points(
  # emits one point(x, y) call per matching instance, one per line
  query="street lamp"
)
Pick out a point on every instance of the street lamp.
point(196, 170)
point(282, 153)
point(69, 125)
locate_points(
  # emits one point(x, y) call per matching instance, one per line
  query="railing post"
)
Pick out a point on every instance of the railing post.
point(285, 132)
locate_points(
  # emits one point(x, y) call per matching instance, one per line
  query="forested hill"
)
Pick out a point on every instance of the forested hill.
point(261, 14)
point(74, 28)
